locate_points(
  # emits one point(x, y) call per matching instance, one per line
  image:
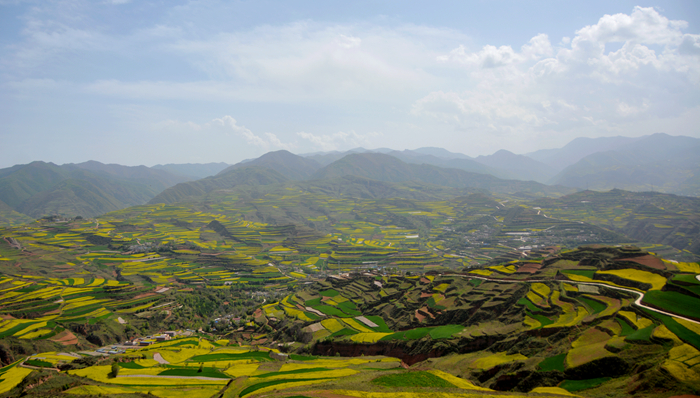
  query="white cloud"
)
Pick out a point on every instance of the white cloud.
point(226, 125)
point(493, 57)
point(690, 45)
point(418, 85)
point(580, 83)
point(642, 25)
point(313, 60)
point(47, 39)
point(339, 140)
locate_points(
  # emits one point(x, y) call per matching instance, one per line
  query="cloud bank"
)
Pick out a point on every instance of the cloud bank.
point(312, 84)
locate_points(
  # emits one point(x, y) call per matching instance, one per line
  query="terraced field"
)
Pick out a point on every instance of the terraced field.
point(349, 289)
point(201, 368)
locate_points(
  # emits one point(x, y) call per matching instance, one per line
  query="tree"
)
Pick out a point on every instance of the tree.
point(115, 370)
point(201, 368)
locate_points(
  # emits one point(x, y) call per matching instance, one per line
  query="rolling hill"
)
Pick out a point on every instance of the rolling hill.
point(152, 178)
point(227, 179)
point(577, 149)
point(656, 162)
point(519, 167)
point(293, 167)
point(383, 167)
point(87, 189)
point(193, 171)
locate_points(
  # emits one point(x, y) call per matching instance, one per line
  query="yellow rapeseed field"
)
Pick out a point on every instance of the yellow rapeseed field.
point(552, 390)
point(368, 337)
point(640, 323)
point(101, 374)
point(164, 392)
point(482, 272)
point(656, 281)
point(290, 385)
point(407, 394)
point(694, 327)
point(686, 267)
point(495, 360)
point(461, 383)
point(13, 377)
point(532, 323)
point(242, 369)
point(332, 325)
point(662, 332)
point(683, 363)
point(541, 289)
point(357, 326)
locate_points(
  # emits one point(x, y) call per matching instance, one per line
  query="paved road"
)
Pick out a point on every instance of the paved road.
point(637, 302)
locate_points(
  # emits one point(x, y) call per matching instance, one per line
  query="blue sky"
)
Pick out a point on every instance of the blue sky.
point(147, 82)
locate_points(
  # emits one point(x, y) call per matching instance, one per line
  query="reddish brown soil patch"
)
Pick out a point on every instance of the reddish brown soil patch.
point(188, 289)
point(258, 313)
point(142, 295)
point(424, 295)
point(65, 338)
point(56, 311)
point(424, 280)
point(447, 302)
point(529, 268)
point(419, 316)
point(426, 311)
point(6, 316)
point(648, 261)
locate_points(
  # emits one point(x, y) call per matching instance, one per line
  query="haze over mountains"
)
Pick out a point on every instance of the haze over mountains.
point(658, 162)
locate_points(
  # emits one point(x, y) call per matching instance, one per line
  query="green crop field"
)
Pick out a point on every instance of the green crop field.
point(289, 290)
point(412, 379)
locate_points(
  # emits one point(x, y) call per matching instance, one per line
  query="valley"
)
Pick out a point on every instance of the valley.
point(368, 276)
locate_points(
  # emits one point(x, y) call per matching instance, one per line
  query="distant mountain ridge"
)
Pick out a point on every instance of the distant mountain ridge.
point(194, 171)
point(519, 167)
point(657, 162)
point(227, 179)
point(292, 166)
point(86, 189)
point(383, 167)
point(578, 149)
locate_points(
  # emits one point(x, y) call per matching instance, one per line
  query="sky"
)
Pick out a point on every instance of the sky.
point(169, 81)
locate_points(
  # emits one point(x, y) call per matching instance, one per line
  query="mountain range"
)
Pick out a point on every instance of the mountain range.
point(657, 162)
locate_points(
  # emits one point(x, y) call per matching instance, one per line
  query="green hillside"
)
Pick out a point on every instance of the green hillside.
point(194, 171)
point(657, 162)
point(291, 166)
point(387, 168)
point(348, 286)
point(87, 189)
point(248, 176)
point(647, 216)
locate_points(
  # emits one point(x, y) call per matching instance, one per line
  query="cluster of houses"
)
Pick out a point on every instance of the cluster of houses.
point(148, 340)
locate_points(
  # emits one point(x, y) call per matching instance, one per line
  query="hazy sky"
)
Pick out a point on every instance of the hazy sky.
point(147, 82)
